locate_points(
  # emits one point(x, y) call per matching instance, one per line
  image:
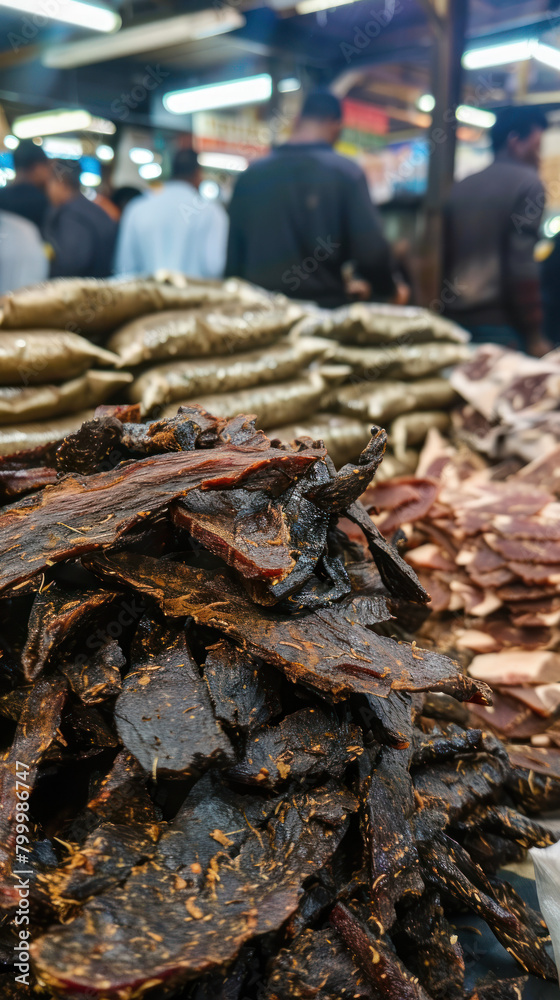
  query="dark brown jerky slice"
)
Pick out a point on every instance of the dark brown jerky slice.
point(352, 480)
point(431, 949)
point(17, 482)
point(96, 677)
point(378, 962)
point(317, 965)
point(392, 854)
point(105, 859)
point(304, 745)
point(449, 868)
point(56, 616)
point(79, 515)
point(441, 747)
point(389, 719)
point(248, 531)
point(164, 715)
point(37, 730)
point(450, 790)
point(399, 578)
point(317, 649)
point(534, 780)
point(243, 692)
point(157, 929)
point(508, 823)
point(499, 989)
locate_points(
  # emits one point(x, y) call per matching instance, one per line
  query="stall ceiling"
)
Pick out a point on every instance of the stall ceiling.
point(389, 69)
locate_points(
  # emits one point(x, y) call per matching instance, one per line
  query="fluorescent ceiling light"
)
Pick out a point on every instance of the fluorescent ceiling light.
point(288, 85)
point(222, 161)
point(65, 149)
point(311, 6)
point(89, 179)
point(9, 173)
point(475, 116)
point(51, 122)
point(105, 153)
point(169, 32)
point(101, 125)
point(140, 155)
point(11, 142)
point(85, 15)
point(552, 227)
point(546, 54)
point(498, 55)
point(250, 90)
point(149, 171)
point(426, 102)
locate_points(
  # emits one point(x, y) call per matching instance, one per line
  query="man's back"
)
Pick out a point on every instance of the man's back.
point(83, 237)
point(175, 229)
point(26, 200)
point(297, 216)
point(492, 222)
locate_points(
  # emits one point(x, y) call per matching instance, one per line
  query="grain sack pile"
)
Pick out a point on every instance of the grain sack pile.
point(239, 785)
point(393, 357)
point(55, 338)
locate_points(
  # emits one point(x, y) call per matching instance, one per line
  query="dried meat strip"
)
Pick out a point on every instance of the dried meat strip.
point(56, 617)
point(302, 746)
point(317, 965)
point(96, 677)
point(158, 930)
point(243, 691)
point(317, 649)
point(164, 714)
point(37, 730)
point(80, 515)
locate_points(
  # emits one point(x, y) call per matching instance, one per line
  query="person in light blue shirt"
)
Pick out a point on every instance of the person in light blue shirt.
point(175, 229)
point(23, 260)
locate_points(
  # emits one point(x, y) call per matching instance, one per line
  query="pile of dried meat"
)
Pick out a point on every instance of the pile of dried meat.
point(486, 545)
point(512, 403)
point(393, 358)
point(222, 775)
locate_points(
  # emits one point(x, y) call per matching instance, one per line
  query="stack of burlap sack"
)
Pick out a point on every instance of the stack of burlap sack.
point(161, 341)
point(69, 345)
point(393, 358)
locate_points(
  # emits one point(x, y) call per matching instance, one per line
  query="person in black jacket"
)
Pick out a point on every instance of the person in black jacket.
point(81, 234)
point(302, 216)
point(27, 196)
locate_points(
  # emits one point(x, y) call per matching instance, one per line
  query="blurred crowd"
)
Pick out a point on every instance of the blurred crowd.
point(301, 221)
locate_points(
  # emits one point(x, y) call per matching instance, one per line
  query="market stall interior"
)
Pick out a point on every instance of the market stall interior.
point(280, 555)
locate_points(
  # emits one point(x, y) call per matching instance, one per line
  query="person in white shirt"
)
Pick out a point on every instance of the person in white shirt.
point(23, 260)
point(175, 229)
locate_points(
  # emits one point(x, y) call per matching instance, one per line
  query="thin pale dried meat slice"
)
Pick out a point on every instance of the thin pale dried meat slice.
point(414, 509)
point(243, 691)
point(79, 516)
point(516, 667)
point(303, 746)
point(516, 526)
point(317, 649)
point(97, 676)
point(544, 699)
point(531, 550)
point(429, 556)
point(157, 929)
point(507, 717)
point(58, 615)
point(164, 715)
point(518, 592)
point(37, 729)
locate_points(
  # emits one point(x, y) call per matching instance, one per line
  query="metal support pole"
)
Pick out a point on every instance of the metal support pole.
point(448, 45)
